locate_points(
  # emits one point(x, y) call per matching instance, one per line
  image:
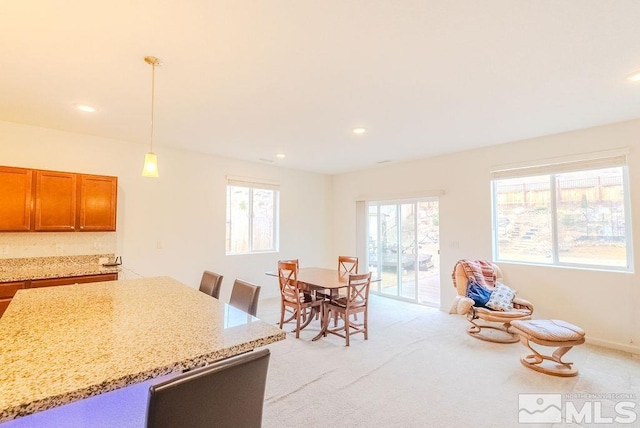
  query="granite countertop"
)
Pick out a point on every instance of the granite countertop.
point(53, 267)
point(62, 344)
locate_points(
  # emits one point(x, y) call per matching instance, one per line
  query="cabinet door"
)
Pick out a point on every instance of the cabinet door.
point(55, 201)
point(98, 195)
point(15, 193)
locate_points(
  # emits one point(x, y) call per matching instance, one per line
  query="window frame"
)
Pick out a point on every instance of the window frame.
point(552, 169)
point(252, 185)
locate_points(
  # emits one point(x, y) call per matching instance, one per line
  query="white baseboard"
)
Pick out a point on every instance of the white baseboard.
point(634, 349)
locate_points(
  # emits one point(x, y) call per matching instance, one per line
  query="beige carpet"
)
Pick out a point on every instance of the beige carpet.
point(419, 368)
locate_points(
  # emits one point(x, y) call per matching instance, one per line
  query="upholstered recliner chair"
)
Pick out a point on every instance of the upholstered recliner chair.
point(487, 323)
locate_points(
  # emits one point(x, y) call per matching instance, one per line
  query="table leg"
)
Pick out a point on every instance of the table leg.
point(323, 323)
point(309, 318)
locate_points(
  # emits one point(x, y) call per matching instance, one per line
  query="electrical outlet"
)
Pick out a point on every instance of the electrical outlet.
point(4, 249)
point(59, 248)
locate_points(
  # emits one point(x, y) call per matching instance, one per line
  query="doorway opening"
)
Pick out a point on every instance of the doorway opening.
point(403, 249)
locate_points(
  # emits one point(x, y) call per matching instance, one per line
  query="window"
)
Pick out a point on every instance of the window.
point(569, 214)
point(252, 216)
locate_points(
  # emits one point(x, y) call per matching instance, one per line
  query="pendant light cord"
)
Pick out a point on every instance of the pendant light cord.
point(150, 168)
point(153, 91)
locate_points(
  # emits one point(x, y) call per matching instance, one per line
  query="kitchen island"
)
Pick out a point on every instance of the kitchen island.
point(66, 343)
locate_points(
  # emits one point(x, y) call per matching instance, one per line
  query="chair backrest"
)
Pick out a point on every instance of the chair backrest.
point(358, 290)
point(211, 283)
point(288, 279)
point(291, 261)
point(463, 271)
point(348, 264)
point(244, 296)
point(228, 393)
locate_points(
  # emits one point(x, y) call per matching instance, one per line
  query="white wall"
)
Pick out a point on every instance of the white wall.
point(173, 225)
point(184, 210)
point(605, 304)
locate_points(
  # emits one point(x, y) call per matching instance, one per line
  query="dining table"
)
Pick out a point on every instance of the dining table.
point(66, 343)
point(327, 281)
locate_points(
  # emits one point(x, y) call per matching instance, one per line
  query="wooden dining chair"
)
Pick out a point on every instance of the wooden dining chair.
point(356, 301)
point(244, 296)
point(211, 283)
point(292, 297)
point(348, 264)
point(228, 393)
point(292, 313)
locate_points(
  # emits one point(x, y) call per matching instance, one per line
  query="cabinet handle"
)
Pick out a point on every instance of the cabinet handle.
point(81, 227)
point(72, 227)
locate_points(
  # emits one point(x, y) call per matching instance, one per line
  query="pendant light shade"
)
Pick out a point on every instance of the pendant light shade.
point(150, 168)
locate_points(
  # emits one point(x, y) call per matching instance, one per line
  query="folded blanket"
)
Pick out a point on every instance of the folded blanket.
point(480, 270)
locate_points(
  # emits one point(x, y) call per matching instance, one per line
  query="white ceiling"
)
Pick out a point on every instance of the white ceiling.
point(250, 79)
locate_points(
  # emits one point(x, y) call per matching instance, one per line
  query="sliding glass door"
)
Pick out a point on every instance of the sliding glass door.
point(403, 249)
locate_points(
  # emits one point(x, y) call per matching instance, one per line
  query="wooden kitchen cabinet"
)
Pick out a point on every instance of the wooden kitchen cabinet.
point(7, 291)
point(16, 189)
point(73, 280)
point(98, 195)
point(55, 201)
point(45, 201)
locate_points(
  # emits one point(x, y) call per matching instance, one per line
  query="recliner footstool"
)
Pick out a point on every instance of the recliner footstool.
point(557, 333)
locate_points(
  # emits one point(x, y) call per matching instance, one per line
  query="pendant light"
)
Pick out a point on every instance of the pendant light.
point(150, 168)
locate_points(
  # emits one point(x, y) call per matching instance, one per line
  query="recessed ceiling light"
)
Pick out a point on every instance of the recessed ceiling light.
point(281, 156)
point(359, 130)
point(634, 77)
point(85, 108)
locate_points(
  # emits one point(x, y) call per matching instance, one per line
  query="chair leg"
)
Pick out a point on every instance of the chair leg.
point(366, 326)
point(293, 315)
point(298, 324)
point(282, 310)
point(346, 326)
